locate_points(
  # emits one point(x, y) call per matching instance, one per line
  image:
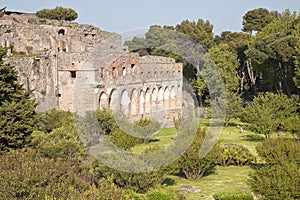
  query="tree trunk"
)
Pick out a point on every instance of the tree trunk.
point(251, 76)
point(284, 77)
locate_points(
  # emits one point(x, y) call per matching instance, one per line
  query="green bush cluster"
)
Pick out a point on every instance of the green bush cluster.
point(233, 154)
point(233, 196)
point(279, 177)
point(58, 13)
point(28, 174)
point(161, 195)
point(193, 166)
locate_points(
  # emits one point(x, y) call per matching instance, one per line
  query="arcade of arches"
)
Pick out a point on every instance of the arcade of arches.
point(139, 103)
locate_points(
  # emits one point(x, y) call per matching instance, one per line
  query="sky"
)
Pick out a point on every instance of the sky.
point(121, 16)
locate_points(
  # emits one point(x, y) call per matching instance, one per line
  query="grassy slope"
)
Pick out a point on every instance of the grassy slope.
point(225, 179)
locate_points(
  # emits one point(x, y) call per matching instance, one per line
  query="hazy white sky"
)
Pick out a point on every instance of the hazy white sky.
point(121, 16)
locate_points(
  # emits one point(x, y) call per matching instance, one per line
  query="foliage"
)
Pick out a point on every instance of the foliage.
point(297, 56)
point(58, 13)
point(140, 183)
point(17, 110)
point(62, 143)
point(235, 155)
point(257, 19)
point(200, 31)
point(54, 119)
point(106, 121)
point(124, 140)
point(292, 124)
point(191, 165)
point(27, 174)
point(279, 178)
point(233, 107)
point(233, 196)
point(268, 111)
point(227, 63)
point(159, 194)
point(273, 53)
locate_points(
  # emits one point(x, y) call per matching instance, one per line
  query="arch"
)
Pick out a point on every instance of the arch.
point(142, 103)
point(166, 98)
point(178, 96)
point(147, 101)
point(125, 102)
point(160, 96)
point(113, 100)
point(103, 101)
point(61, 32)
point(154, 96)
point(173, 96)
point(134, 106)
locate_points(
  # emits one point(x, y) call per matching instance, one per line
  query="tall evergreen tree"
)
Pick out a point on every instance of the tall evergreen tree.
point(17, 109)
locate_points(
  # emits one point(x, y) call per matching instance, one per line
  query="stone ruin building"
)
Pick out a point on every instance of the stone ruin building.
point(79, 68)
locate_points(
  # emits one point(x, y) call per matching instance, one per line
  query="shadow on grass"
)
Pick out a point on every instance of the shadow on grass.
point(153, 140)
point(257, 165)
point(253, 138)
point(209, 171)
point(169, 182)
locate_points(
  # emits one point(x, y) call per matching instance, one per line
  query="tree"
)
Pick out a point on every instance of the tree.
point(191, 165)
point(238, 43)
point(17, 110)
point(296, 32)
point(200, 31)
point(257, 19)
point(273, 53)
point(279, 177)
point(227, 65)
point(268, 111)
point(58, 13)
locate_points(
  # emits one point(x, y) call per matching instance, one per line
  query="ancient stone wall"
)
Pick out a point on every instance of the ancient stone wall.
point(78, 67)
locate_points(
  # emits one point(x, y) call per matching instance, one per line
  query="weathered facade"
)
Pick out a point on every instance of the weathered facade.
point(77, 67)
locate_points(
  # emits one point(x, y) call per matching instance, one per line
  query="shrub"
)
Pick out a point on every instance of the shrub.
point(279, 177)
point(55, 119)
point(237, 155)
point(58, 13)
point(268, 111)
point(233, 196)
point(137, 182)
point(161, 195)
point(191, 165)
point(124, 140)
point(27, 174)
point(62, 143)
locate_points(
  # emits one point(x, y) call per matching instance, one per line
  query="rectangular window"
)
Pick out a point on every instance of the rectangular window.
point(73, 74)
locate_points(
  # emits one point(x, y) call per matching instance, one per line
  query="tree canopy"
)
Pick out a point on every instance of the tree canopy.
point(58, 13)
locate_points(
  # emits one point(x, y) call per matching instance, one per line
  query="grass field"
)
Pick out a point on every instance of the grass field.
point(224, 179)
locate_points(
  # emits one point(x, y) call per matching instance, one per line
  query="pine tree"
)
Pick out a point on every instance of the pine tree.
point(17, 109)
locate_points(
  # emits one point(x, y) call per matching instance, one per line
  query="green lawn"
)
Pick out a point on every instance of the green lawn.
point(224, 179)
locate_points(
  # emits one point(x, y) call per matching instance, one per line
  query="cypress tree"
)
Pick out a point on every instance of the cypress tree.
point(17, 109)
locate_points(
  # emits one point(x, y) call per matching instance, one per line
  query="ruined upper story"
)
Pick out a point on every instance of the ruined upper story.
point(28, 34)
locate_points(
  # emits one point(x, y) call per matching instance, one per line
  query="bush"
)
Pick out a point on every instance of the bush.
point(237, 155)
point(27, 174)
point(191, 165)
point(141, 182)
point(233, 196)
point(279, 177)
point(124, 140)
point(161, 195)
point(58, 13)
point(55, 119)
point(62, 143)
